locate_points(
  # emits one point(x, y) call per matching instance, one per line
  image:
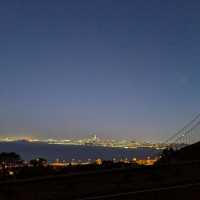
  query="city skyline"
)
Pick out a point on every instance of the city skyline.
point(91, 140)
point(120, 69)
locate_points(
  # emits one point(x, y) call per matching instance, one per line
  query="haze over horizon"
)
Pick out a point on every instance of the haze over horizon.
point(121, 69)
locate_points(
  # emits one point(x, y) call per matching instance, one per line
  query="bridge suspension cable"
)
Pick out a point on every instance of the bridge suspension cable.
point(185, 131)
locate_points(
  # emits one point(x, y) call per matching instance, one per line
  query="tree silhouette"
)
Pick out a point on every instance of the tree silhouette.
point(9, 157)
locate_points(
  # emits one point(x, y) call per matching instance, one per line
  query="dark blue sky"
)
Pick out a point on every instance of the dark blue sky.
point(121, 68)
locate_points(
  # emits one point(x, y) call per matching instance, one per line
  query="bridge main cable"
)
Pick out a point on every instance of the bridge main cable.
point(184, 128)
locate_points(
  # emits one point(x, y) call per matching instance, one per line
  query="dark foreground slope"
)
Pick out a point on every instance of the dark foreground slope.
point(177, 180)
point(189, 153)
point(110, 182)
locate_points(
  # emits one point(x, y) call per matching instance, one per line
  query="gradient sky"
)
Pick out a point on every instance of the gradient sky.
point(121, 68)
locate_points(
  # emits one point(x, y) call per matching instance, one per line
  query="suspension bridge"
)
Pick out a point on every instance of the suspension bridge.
point(187, 135)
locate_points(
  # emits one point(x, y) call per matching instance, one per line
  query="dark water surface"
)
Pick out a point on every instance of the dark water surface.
point(68, 152)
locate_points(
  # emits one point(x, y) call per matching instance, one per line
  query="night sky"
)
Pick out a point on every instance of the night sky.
point(120, 68)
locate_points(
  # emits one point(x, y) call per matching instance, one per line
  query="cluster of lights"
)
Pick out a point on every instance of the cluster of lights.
point(92, 140)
